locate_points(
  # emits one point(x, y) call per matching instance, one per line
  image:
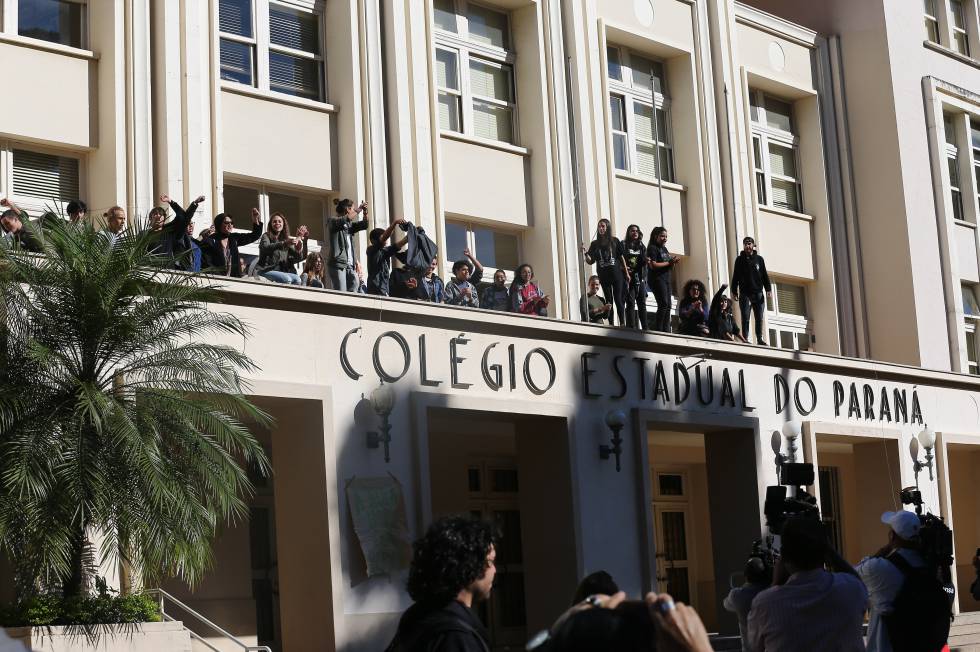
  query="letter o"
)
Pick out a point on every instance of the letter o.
point(813, 396)
point(552, 373)
point(406, 356)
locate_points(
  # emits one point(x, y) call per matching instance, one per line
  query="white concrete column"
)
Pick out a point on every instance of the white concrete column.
point(167, 99)
point(372, 68)
point(139, 104)
point(197, 106)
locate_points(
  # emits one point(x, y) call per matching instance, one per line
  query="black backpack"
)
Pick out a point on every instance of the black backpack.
point(921, 614)
point(421, 249)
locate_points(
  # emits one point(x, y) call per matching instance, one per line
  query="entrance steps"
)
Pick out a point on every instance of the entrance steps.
point(964, 635)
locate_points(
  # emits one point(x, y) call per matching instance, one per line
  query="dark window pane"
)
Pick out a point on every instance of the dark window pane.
point(473, 479)
point(294, 29)
point(678, 585)
point(675, 536)
point(237, 62)
point(235, 17)
point(294, 75)
point(455, 241)
point(509, 592)
point(671, 484)
point(497, 250)
point(509, 550)
point(504, 480)
point(57, 21)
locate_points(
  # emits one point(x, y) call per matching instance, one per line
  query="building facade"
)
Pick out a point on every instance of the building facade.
point(843, 136)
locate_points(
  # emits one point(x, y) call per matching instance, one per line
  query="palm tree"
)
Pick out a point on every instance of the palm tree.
point(122, 415)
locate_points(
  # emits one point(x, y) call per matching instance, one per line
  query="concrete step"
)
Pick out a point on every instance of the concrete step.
point(965, 642)
point(963, 630)
point(965, 618)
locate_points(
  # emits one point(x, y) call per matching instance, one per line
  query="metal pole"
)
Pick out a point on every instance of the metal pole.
point(656, 146)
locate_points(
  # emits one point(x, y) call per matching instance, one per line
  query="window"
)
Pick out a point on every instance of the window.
point(953, 166)
point(239, 200)
point(39, 181)
point(637, 94)
point(971, 315)
point(975, 148)
point(494, 249)
point(789, 325)
point(475, 71)
point(774, 153)
point(57, 21)
point(957, 23)
point(284, 56)
point(932, 21)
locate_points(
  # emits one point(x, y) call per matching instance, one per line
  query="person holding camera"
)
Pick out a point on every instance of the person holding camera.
point(340, 264)
point(806, 602)
point(758, 577)
point(895, 622)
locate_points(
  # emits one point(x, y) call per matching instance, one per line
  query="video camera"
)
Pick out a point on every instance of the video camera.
point(935, 536)
point(779, 506)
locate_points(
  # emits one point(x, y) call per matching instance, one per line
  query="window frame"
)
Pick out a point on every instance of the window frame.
point(958, 10)
point(460, 43)
point(932, 22)
point(10, 23)
point(263, 48)
point(766, 134)
point(974, 151)
point(632, 94)
point(778, 322)
point(470, 227)
point(951, 157)
point(36, 206)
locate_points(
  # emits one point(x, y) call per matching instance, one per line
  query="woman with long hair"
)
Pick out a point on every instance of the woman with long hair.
point(525, 295)
point(693, 309)
point(606, 253)
point(721, 318)
point(635, 257)
point(279, 252)
point(340, 264)
point(660, 261)
point(220, 249)
point(314, 271)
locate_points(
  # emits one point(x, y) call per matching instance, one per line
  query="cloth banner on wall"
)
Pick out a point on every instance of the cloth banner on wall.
point(377, 508)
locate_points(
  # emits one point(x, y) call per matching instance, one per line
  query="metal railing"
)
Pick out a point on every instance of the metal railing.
point(163, 597)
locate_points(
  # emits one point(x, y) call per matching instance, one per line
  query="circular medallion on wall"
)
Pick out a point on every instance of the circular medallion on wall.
point(777, 58)
point(644, 12)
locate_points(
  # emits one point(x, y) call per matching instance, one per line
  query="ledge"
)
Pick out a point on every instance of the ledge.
point(484, 142)
point(279, 98)
point(48, 46)
point(347, 305)
point(669, 185)
point(952, 54)
point(782, 212)
point(969, 225)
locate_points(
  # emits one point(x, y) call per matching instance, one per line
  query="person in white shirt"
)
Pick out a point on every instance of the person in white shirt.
point(808, 607)
point(883, 578)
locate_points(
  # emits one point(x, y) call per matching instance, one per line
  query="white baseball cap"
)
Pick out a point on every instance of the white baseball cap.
point(903, 523)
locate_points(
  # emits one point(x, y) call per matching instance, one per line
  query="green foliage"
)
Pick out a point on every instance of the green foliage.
point(48, 609)
point(122, 412)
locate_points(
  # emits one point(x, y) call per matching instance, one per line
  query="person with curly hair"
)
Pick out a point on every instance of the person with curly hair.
point(452, 567)
point(693, 309)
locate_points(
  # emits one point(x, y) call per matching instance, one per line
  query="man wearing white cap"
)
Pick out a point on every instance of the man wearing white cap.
point(883, 578)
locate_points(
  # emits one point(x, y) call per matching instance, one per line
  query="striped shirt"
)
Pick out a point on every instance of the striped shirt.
point(814, 610)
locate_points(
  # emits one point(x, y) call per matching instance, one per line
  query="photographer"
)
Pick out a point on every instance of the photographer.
point(896, 623)
point(806, 602)
point(758, 576)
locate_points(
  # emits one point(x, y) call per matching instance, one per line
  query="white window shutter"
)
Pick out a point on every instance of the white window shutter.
point(45, 176)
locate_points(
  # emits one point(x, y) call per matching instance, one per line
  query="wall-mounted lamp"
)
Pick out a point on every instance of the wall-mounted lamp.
point(792, 431)
point(927, 439)
point(382, 401)
point(615, 420)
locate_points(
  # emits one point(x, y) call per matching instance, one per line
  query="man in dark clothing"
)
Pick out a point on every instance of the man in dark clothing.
point(452, 567)
point(379, 258)
point(174, 242)
point(750, 287)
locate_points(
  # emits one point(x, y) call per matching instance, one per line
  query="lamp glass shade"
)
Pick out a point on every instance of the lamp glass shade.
point(615, 419)
point(792, 430)
point(927, 438)
point(382, 399)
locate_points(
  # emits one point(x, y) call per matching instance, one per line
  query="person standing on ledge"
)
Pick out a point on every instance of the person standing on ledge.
point(751, 287)
point(452, 569)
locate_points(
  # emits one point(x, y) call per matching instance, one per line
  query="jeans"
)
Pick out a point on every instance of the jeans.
point(611, 279)
point(342, 278)
point(636, 305)
point(756, 305)
point(660, 285)
point(282, 277)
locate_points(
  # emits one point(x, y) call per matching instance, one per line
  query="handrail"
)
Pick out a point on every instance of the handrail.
point(163, 595)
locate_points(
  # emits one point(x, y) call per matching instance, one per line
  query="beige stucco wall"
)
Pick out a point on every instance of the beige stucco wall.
point(484, 182)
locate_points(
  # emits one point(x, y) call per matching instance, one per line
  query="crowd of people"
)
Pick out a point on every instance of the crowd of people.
point(810, 598)
point(627, 270)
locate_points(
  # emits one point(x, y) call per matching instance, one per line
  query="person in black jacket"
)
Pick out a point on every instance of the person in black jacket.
point(173, 242)
point(751, 286)
point(220, 250)
point(635, 258)
point(660, 261)
point(606, 253)
point(721, 321)
point(452, 568)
